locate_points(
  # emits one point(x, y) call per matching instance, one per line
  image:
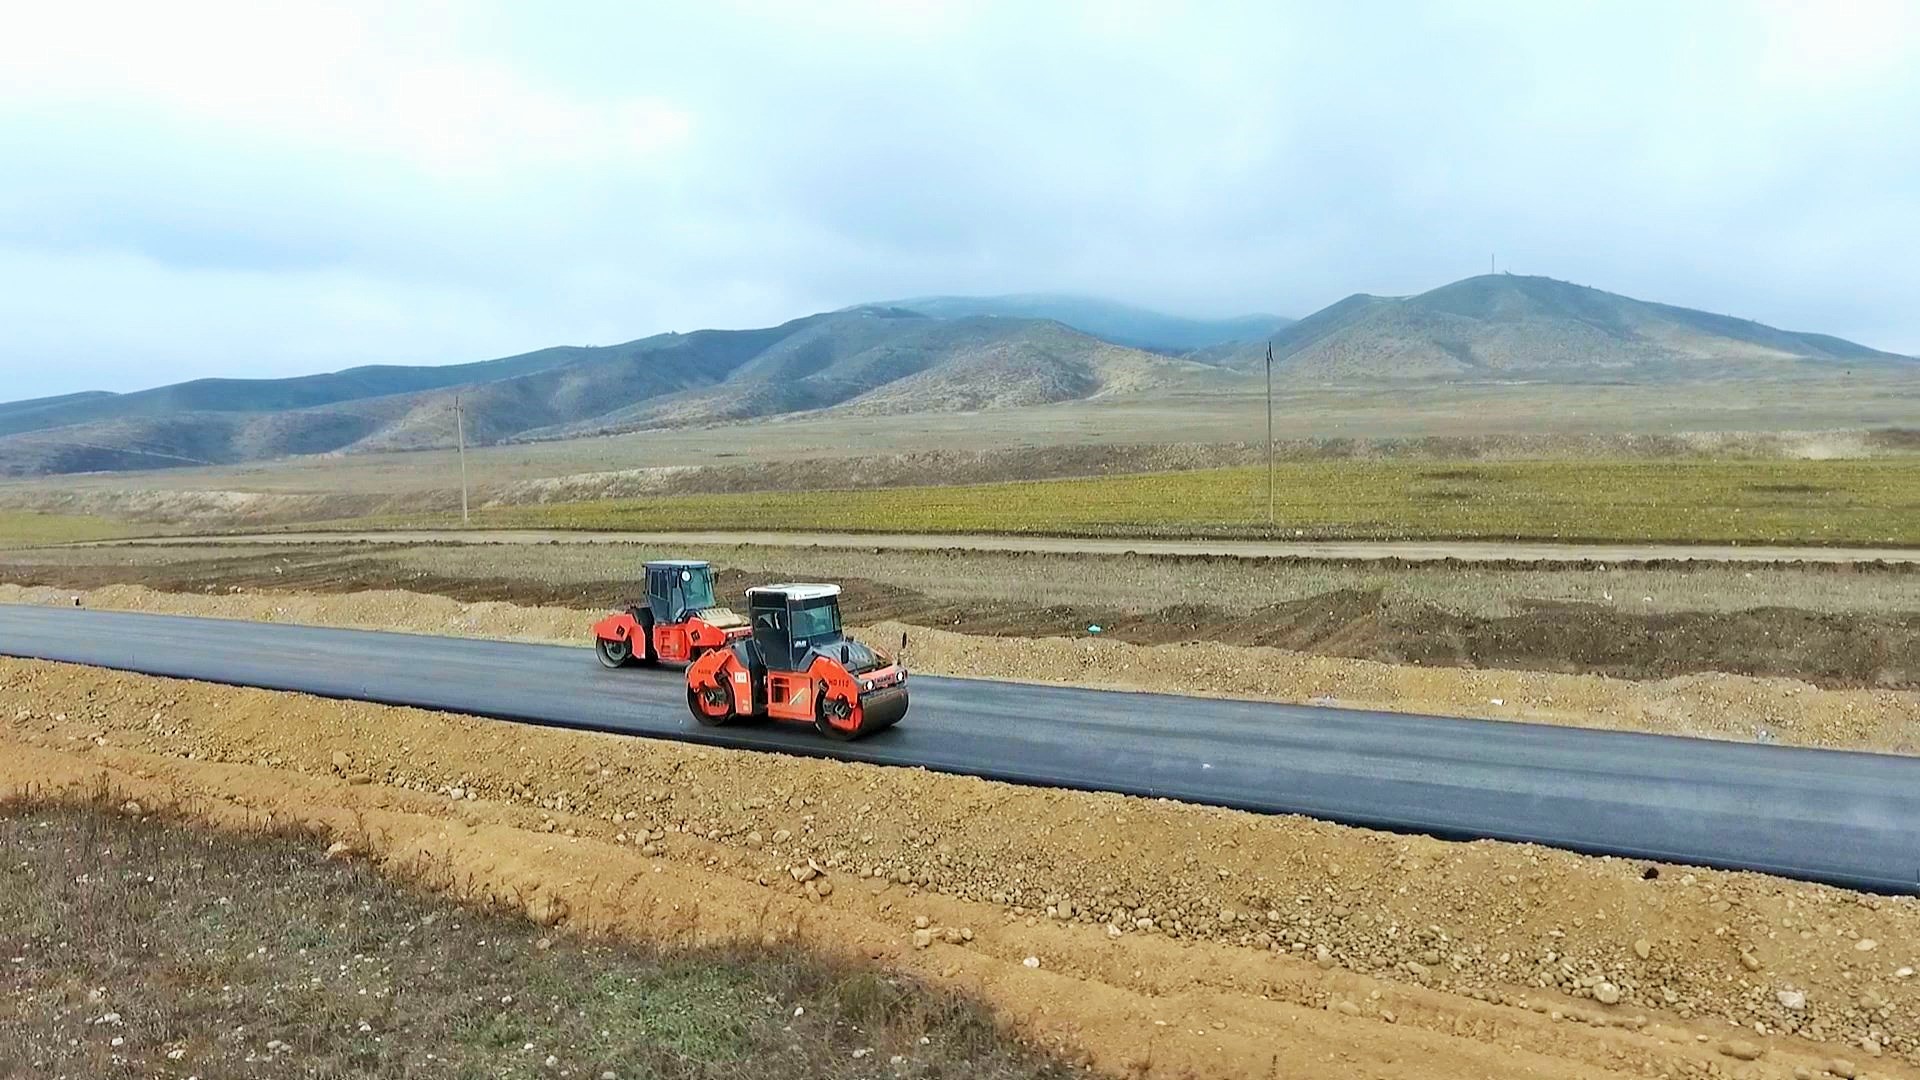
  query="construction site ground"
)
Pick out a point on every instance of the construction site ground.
point(1843, 626)
point(1145, 937)
point(1708, 705)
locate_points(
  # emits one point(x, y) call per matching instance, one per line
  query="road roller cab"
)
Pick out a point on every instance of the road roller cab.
point(678, 622)
point(798, 665)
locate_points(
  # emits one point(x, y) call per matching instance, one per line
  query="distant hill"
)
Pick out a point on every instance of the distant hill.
point(33, 406)
point(1503, 326)
point(931, 355)
point(863, 361)
point(1122, 324)
point(259, 395)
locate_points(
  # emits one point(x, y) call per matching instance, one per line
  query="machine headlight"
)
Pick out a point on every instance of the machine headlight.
point(866, 684)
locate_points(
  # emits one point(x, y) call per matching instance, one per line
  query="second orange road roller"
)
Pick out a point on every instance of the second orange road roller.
point(679, 621)
point(797, 665)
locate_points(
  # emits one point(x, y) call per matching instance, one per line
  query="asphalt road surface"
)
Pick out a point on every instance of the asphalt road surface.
point(1409, 550)
point(1851, 819)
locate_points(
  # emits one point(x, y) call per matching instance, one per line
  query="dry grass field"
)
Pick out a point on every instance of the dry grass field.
point(1864, 502)
point(27, 528)
point(149, 947)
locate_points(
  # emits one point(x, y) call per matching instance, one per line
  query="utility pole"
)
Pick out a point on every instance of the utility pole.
point(1269, 436)
point(460, 436)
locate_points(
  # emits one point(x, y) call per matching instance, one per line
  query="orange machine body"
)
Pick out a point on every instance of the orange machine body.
point(721, 687)
point(797, 666)
point(674, 643)
point(677, 621)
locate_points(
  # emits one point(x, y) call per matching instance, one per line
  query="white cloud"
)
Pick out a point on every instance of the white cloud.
point(358, 81)
point(1837, 49)
point(123, 309)
point(267, 189)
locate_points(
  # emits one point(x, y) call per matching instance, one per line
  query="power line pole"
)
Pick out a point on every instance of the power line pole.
point(460, 435)
point(1269, 435)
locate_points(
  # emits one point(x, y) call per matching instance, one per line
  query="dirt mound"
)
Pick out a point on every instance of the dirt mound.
point(1707, 706)
point(1879, 648)
point(1160, 939)
point(387, 609)
point(1827, 649)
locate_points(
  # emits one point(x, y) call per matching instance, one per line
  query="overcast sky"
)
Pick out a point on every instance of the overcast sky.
point(191, 189)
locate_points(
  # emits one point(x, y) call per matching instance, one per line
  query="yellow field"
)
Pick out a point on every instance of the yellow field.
point(27, 528)
point(1820, 502)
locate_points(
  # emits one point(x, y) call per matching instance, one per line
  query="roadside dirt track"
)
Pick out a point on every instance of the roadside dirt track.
point(1835, 625)
point(1475, 551)
point(1169, 940)
point(1709, 705)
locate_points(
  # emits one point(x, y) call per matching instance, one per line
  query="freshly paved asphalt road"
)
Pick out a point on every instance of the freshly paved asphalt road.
point(1848, 818)
point(1475, 551)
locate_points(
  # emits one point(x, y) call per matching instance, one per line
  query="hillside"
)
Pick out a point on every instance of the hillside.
point(1045, 364)
point(1122, 324)
point(33, 406)
point(261, 395)
point(1502, 326)
point(891, 359)
point(866, 360)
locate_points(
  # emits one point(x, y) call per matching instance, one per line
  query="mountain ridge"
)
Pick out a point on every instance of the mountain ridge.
point(891, 358)
point(831, 360)
point(1504, 326)
point(1122, 324)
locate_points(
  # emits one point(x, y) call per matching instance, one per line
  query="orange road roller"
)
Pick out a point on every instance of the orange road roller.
point(678, 623)
point(798, 666)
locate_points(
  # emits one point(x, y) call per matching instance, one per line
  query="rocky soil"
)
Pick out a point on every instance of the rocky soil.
point(1156, 938)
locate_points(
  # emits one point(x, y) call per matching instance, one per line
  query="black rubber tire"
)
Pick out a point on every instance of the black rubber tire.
point(612, 652)
point(706, 719)
point(821, 725)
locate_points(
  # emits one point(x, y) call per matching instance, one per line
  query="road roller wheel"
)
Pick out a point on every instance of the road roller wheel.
point(711, 705)
point(834, 718)
point(613, 652)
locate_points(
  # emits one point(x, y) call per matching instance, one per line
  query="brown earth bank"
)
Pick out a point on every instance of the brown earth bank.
point(1719, 706)
point(1143, 937)
point(1838, 649)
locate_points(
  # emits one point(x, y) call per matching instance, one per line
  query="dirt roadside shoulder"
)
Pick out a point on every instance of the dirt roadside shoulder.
point(1836, 625)
point(1165, 939)
point(1736, 707)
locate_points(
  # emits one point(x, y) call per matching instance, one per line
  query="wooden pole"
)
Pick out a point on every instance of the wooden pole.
point(460, 436)
point(1269, 435)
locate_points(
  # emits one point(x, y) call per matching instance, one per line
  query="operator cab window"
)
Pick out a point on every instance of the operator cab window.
point(699, 590)
point(812, 623)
